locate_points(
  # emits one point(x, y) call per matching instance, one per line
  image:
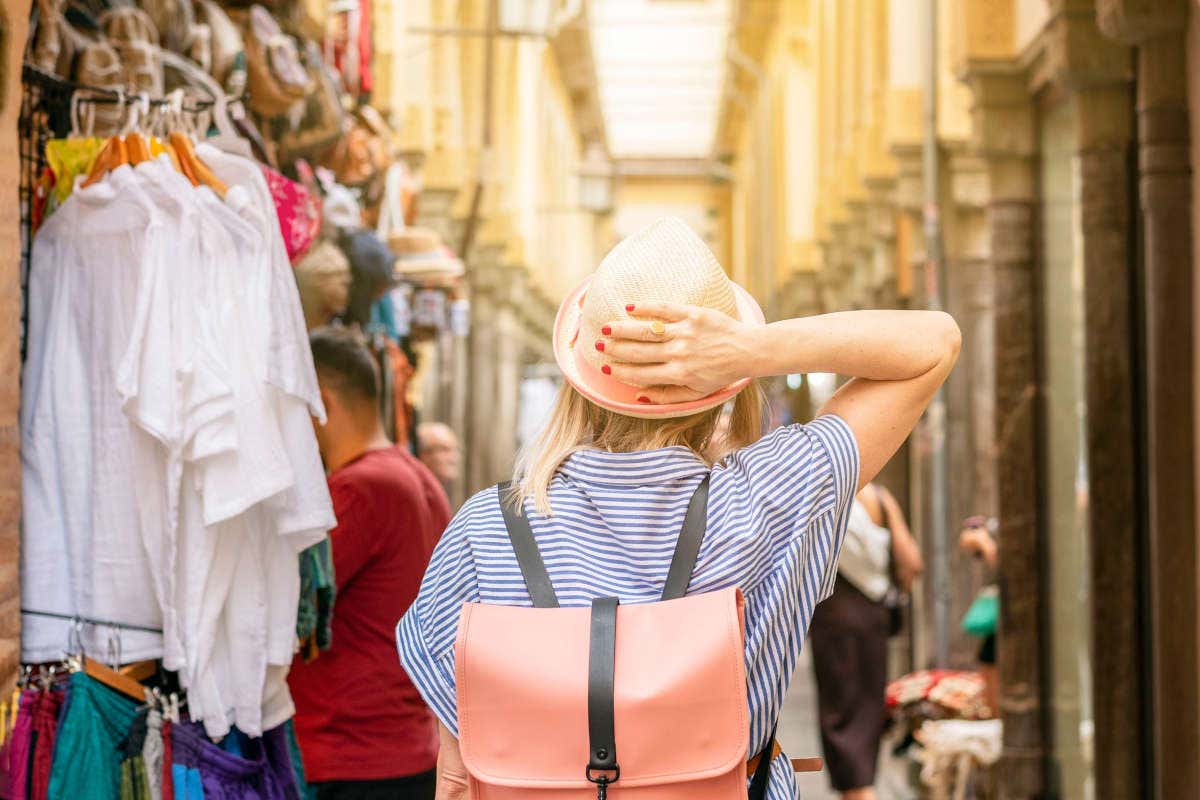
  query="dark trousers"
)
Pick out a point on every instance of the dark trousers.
point(849, 636)
point(411, 787)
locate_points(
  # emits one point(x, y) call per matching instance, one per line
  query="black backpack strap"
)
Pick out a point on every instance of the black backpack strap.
point(762, 774)
point(602, 660)
point(688, 546)
point(533, 569)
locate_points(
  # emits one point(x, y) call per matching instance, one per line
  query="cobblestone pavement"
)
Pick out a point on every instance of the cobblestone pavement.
point(800, 737)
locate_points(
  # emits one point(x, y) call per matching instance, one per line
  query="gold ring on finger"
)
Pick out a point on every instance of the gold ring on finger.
point(658, 328)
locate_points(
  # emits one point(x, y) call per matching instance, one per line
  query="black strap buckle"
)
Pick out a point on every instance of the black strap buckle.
point(592, 776)
point(600, 777)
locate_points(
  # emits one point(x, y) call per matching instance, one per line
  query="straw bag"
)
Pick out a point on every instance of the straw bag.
point(278, 80)
point(662, 687)
point(135, 37)
point(54, 42)
point(359, 156)
point(175, 21)
point(225, 36)
point(99, 65)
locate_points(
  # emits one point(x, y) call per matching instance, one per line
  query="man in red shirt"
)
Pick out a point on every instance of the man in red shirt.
point(364, 732)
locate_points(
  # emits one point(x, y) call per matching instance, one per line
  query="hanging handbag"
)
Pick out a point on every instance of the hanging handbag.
point(277, 79)
point(175, 21)
point(135, 37)
point(980, 619)
point(321, 123)
point(226, 39)
point(362, 154)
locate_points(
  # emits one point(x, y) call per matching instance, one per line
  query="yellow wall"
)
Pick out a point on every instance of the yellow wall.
point(698, 201)
point(530, 204)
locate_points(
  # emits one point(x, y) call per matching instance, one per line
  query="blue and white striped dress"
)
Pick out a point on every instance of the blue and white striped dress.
point(777, 515)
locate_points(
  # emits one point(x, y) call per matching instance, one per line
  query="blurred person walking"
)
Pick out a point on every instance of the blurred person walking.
point(605, 489)
point(363, 729)
point(439, 449)
point(849, 633)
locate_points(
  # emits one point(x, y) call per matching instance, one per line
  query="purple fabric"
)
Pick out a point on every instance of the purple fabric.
point(16, 754)
point(264, 774)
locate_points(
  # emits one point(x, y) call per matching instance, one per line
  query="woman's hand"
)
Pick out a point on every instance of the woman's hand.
point(976, 541)
point(679, 353)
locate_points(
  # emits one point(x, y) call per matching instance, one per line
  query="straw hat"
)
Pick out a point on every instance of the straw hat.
point(668, 263)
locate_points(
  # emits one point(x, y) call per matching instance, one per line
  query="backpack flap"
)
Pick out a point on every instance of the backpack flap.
point(680, 709)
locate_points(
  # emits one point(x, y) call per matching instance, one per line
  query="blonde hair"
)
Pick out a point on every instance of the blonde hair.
point(576, 424)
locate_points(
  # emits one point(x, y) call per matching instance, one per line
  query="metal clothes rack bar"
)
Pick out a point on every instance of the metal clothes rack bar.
point(33, 75)
point(99, 623)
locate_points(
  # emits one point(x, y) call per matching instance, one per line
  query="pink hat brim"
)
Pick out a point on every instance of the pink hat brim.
point(607, 392)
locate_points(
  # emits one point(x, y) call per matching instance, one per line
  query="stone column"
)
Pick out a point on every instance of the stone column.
point(1004, 136)
point(1158, 29)
point(510, 365)
point(481, 422)
point(969, 390)
point(1095, 75)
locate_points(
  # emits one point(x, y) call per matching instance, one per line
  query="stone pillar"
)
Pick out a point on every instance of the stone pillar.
point(907, 198)
point(1095, 75)
point(510, 366)
point(480, 417)
point(14, 28)
point(1004, 136)
point(1158, 28)
point(969, 390)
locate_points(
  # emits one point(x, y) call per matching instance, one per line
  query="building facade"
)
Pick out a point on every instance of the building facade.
point(1035, 180)
point(497, 109)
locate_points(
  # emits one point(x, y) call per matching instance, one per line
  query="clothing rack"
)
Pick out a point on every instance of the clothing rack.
point(99, 623)
point(33, 75)
point(45, 115)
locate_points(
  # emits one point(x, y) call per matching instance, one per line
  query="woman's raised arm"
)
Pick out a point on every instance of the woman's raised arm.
point(897, 360)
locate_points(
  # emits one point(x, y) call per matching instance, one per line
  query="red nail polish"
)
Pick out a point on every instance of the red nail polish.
point(629, 308)
point(606, 369)
point(643, 399)
point(606, 330)
point(600, 346)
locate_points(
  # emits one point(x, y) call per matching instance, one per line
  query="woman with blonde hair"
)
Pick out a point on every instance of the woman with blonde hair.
point(652, 345)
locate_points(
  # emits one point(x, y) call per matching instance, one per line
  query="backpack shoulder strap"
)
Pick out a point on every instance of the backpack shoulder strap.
point(533, 569)
point(688, 546)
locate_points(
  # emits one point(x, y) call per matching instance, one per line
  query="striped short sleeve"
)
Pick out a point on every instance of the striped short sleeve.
point(426, 633)
point(799, 481)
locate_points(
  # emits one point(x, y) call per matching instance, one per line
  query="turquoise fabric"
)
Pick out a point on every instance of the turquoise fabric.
point(383, 315)
point(318, 590)
point(87, 749)
point(298, 762)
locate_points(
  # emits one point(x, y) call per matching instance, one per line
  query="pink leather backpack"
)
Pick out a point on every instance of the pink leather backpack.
point(640, 702)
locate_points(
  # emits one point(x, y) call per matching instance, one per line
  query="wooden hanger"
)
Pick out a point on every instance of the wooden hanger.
point(201, 174)
point(140, 670)
point(113, 679)
point(138, 148)
point(111, 156)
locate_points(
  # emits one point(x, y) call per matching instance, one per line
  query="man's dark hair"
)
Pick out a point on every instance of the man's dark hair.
point(344, 364)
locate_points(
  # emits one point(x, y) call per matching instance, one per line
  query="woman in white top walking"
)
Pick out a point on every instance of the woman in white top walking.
point(651, 346)
point(849, 636)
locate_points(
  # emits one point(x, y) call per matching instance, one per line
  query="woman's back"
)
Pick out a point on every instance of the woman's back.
point(777, 511)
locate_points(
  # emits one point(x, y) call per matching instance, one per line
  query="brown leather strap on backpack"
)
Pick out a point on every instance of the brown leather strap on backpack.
point(798, 764)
